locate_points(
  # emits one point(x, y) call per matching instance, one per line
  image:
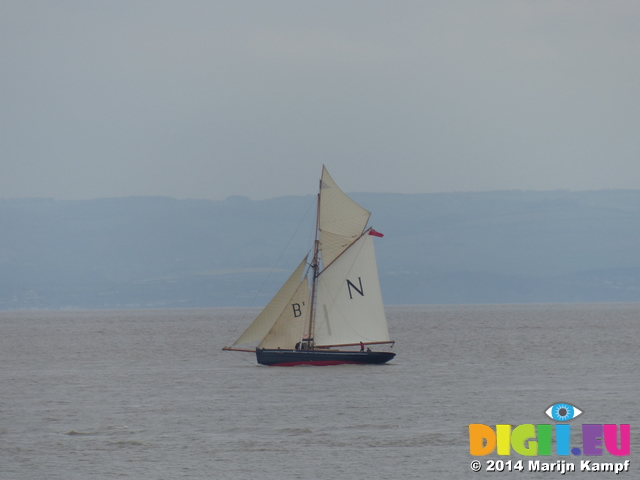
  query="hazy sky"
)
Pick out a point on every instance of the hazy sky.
point(206, 99)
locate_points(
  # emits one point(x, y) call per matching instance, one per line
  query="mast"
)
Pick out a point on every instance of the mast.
point(316, 268)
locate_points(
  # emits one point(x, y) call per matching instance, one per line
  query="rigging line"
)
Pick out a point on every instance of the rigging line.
point(233, 333)
point(242, 357)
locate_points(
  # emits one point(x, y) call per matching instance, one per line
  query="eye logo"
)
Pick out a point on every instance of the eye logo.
point(563, 412)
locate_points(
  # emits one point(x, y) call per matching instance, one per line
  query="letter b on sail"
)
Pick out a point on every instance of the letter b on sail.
point(359, 290)
point(296, 310)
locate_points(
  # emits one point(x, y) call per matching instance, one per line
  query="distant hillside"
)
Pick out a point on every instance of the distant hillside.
point(494, 247)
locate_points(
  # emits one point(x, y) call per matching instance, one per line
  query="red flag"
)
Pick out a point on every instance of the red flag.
point(375, 234)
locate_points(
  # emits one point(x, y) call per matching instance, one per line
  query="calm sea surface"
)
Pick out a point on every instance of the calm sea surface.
point(148, 394)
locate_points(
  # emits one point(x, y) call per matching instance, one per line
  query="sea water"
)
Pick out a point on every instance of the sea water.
point(148, 394)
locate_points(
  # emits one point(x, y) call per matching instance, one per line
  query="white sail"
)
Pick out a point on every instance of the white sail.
point(341, 219)
point(349, 308)
point(264, 322)
point(289, 328)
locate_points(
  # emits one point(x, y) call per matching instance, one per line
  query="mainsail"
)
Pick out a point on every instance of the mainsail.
point(343, 305)
point(349, 307)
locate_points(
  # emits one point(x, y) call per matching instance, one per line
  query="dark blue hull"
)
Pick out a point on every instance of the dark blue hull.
point(290, 358)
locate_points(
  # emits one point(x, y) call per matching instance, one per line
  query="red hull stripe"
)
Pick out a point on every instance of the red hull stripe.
point(318, 363)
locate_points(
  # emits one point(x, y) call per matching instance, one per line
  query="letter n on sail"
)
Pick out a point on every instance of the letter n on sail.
point(350, 285)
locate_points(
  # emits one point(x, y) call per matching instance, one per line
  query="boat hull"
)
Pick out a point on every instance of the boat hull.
point(290, 358)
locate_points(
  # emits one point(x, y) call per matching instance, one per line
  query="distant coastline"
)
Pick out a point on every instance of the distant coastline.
point(454, 248)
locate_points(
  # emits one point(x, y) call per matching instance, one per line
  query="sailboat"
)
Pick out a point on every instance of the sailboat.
point(322, 316)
